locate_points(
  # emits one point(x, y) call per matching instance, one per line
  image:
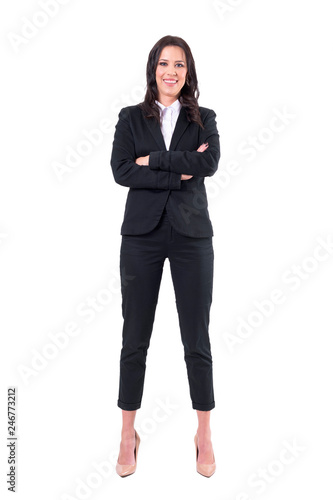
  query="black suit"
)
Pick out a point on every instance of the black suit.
point(158, 185)
point(165, 218)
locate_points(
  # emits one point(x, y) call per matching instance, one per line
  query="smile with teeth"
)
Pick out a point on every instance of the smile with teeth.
point(170, 81)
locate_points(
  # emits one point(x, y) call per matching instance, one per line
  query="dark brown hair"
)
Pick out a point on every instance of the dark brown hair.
point(190, 91)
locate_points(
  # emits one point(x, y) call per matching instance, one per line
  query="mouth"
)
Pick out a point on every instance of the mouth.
point(170, 82)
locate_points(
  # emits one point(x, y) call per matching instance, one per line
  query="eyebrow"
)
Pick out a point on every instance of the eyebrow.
point(168, 59)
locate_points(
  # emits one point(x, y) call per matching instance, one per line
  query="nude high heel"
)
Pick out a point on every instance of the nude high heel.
point(127, 470)
point(206, 470)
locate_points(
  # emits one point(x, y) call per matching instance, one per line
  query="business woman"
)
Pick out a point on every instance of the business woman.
point(162, 151)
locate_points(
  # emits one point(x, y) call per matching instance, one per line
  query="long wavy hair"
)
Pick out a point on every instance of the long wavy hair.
point(189, 93)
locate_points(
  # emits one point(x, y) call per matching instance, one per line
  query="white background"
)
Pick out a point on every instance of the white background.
point(60, 241)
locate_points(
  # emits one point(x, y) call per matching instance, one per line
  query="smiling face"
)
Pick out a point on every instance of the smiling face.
point(171, 74)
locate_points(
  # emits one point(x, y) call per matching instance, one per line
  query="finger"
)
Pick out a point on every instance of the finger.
point(203, 147)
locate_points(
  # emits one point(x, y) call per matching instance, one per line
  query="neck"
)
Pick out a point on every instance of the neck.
point(166, 100)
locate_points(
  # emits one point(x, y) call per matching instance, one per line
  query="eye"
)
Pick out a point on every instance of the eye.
point(178, 64)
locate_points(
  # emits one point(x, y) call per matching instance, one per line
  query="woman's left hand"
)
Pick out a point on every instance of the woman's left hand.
point(143, 160)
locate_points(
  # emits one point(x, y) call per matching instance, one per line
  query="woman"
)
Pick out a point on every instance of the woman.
point(161, 152)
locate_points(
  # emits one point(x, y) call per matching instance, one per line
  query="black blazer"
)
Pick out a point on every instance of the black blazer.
point(158, 185)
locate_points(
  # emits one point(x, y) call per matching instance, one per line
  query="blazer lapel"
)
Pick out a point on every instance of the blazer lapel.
point(181, 125)
point(155, 129)
point(156, 132)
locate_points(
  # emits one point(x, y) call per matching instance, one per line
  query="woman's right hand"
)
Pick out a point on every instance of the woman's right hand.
point(201, 149)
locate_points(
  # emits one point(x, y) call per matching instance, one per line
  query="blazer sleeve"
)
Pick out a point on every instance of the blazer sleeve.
point(192, 162)
point(128, 173)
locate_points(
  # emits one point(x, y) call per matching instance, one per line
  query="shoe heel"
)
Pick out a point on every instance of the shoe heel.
point(127, 470)
point(206, 470)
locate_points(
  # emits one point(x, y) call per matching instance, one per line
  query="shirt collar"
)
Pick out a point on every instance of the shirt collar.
point(175, 105)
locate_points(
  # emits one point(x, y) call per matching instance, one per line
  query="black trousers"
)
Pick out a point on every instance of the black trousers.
point(141, 266)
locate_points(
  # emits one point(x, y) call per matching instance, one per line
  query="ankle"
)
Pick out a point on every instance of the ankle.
point(204, 432)
point(127, 433)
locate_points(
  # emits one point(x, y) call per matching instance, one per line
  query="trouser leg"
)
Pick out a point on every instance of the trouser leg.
point(141, 267)
point(191, 264)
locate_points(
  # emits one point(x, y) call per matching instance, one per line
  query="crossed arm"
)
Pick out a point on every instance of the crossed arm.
point(163, 169)
point(144, 160)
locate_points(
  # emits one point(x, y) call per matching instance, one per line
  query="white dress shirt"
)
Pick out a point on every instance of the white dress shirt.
point(169, 115)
